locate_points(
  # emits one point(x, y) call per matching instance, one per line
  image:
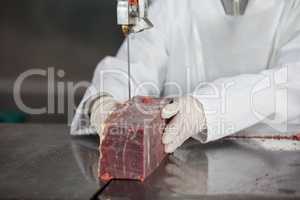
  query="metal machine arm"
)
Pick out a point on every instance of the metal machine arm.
point(132, 15)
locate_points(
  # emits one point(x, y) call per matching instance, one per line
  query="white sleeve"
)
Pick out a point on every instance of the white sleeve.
point(148, 63)
point(271, 96)
point(235, 103)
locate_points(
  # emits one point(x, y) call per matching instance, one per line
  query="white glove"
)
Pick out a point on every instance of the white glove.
point(100, 111)
point(187, 120)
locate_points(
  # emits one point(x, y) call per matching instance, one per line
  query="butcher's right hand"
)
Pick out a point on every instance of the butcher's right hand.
point(100, 111)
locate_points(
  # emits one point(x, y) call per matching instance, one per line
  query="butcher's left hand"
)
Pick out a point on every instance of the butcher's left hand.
point(187, 119)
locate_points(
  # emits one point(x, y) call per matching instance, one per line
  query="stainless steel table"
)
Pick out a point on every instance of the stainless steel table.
point(44, 162)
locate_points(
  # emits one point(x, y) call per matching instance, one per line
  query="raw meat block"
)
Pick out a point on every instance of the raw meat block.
point(131, 146)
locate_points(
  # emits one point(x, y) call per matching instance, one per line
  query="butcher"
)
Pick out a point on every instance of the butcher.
point(226, 72)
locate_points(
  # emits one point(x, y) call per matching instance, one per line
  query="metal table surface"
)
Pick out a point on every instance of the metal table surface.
point(44, 162)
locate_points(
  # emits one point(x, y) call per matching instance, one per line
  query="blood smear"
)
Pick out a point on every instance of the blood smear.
point(279, 137)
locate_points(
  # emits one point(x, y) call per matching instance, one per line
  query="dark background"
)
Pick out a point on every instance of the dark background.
point(72, 35)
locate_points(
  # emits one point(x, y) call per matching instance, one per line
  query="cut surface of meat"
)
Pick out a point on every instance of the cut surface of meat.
point(131, 147)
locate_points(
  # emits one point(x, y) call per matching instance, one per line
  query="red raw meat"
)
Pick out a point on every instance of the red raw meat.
point(131, 147)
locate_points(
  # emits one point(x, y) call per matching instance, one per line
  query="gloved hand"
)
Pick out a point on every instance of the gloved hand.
point(100, 111)
point(187, 119)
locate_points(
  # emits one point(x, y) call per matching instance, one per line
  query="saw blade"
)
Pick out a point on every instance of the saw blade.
point(128, 66)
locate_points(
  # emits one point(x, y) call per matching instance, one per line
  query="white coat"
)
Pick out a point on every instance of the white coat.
point(244, 70)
